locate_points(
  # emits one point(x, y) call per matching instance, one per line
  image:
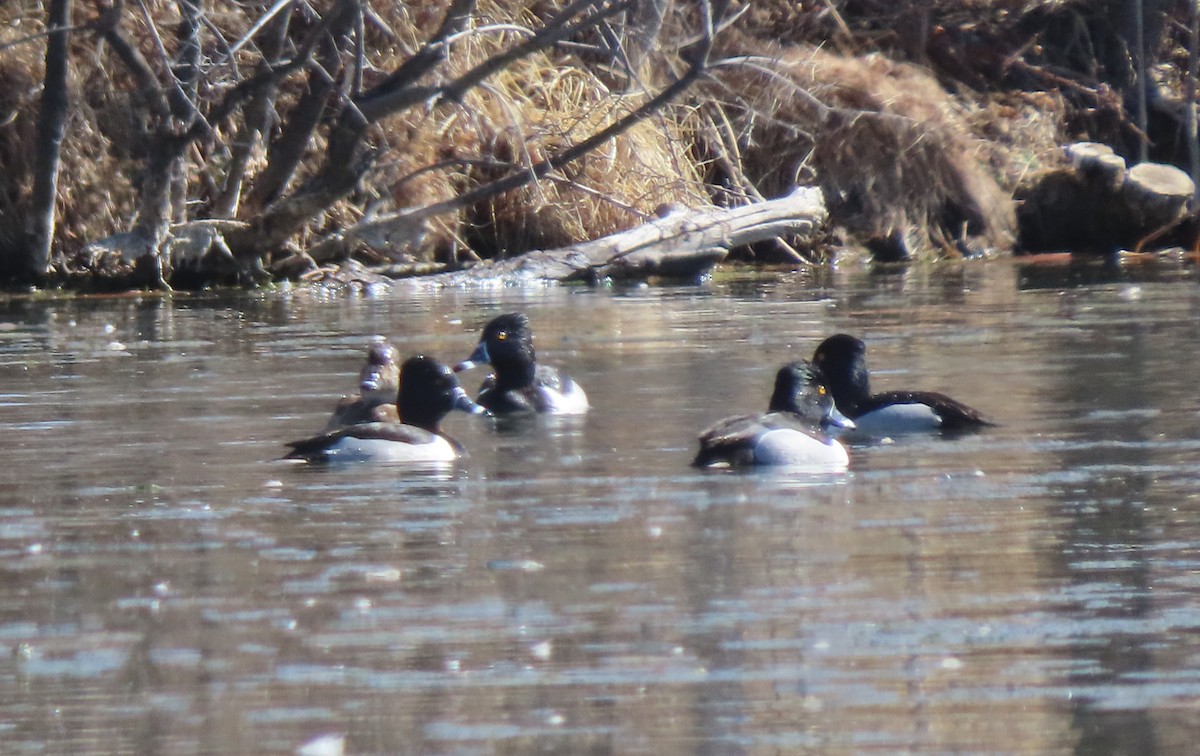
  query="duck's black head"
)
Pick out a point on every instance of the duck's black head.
point(428, 391)
point(842, 362)
point(799, 389)
point(507, 344)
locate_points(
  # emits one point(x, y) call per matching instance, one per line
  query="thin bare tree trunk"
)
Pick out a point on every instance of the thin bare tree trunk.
point(186, 69)
point(1189, 88)
point(286, 152)
point(257, 119)
point(153, 221)
point(165, 106)
point(1142, 80)
point(51, 125)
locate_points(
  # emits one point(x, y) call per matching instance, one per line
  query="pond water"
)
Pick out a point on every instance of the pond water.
point(170, 586)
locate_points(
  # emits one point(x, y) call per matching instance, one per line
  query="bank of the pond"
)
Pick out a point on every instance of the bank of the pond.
point(452, 143)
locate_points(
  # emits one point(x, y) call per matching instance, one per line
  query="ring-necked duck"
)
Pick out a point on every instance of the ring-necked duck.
point(428, 392)
point(519, 383)
point(842, 361)
point(378, 384)
point(789, 433)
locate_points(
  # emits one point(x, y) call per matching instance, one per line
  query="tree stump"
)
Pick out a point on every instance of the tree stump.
point(1158, 193)
point(1097, 163)
point(1096, 204)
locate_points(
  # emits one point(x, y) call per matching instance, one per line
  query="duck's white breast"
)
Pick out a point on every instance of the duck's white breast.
point(785, 446)
point(380, 450)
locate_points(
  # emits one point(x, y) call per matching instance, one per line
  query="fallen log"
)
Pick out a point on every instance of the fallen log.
point(681, 243)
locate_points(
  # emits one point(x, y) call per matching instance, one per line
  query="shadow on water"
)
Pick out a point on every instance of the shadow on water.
point(574, 585)
point(1072, 272)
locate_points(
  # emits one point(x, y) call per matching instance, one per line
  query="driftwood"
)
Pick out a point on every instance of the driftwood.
point(678, 244)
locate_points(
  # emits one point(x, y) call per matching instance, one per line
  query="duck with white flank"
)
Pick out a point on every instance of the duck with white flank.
point(842, 360)
point(791, 432)
point(519, 383)
point(428, 392)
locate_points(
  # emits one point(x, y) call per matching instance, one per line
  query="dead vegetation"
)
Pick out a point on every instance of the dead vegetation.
point(891, 149)
point(918, 124)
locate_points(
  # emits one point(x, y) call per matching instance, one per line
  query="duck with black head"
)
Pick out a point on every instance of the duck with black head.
point(520, 384)
point(792, 432)
point(842, 360)
point(428, 392)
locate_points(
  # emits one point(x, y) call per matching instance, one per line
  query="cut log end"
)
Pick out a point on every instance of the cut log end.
point(1160, 193)
point(1097, 162)
point(1160, 180)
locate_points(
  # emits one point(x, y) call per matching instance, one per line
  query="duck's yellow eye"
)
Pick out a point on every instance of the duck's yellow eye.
point(821, 390)
point(502, 336)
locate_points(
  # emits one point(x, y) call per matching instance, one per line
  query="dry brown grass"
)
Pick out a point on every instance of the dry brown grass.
point(892, 151)
point(613, 188)
point(519, 116)
point(94, 183)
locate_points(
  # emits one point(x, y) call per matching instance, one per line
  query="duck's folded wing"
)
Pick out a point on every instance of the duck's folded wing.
point(731, 439)
point(954, 415)
point(556, 392)
point(398, 432)
point(740, 427)
point(385, 431)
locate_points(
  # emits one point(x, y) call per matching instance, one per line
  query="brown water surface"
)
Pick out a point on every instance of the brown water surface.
point(169, 586)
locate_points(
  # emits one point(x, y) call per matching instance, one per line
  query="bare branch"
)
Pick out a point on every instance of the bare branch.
point(431, 53)
point(139, 67)
point(286, 152)
point(562, 26)
point(696, 68)
point(52, 118)
point(265, 19)
point(181, 105)
point(391, 97)
point(257, 114)
point(46, 33)
point(407, 224)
